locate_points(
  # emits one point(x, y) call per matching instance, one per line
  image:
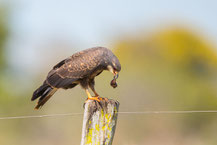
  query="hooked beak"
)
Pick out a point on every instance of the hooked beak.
point(116, 75)
point(113, 82)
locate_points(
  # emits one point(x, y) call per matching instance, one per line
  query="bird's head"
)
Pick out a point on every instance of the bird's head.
point(114, 67)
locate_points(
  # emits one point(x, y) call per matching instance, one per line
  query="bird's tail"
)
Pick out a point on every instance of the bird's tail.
point(44, 92)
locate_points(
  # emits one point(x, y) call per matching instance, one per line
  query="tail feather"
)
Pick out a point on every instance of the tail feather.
point(40, 91)
point(44, 92)
point(45, 98)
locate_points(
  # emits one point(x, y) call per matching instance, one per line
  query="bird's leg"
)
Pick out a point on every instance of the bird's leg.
point(94, 91)
point(100, 98)
point(89, 97)
point(91, 85)
point(96, 94)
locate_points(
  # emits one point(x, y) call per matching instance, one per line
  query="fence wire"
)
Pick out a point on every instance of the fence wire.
point(139, 113)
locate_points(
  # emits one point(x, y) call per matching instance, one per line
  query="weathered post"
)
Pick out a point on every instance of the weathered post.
point(99, 122)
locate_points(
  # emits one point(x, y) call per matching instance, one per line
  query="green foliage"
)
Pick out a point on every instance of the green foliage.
point(175, 70)
point(3, 37)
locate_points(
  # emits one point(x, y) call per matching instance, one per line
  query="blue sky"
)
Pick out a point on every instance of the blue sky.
point(84, 24)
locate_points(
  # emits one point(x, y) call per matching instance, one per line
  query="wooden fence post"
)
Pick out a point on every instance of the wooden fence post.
point(99, 122)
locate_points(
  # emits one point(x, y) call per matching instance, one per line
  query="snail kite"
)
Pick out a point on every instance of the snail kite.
point(80, 68)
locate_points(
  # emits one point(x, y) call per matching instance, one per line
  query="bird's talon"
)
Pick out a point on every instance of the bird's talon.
point(102, 99)
point(94, 98)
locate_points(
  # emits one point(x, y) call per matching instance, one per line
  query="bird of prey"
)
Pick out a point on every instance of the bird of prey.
point(79, 69)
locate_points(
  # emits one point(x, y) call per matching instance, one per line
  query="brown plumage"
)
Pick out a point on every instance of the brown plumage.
point(80, 68)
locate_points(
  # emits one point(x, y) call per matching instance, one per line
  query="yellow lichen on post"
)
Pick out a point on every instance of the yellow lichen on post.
point(99, 122)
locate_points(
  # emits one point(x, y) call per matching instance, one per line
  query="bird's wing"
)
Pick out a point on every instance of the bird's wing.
point(70, 70)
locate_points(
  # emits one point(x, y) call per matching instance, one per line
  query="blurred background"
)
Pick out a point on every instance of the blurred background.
point(169, 62)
